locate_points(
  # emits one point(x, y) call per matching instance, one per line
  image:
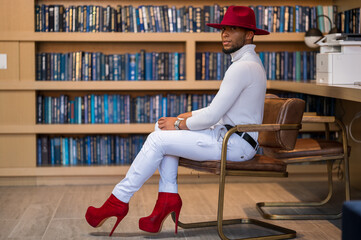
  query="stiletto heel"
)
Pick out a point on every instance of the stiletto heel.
point(112, 207)
point(165, 205)
point(176, 221)
point(115, 225)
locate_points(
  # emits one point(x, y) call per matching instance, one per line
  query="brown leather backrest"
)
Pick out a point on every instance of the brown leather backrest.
point(281, 111)
point(271, 95)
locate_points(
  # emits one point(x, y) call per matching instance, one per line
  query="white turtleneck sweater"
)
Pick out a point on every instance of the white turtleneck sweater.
point(240, 98)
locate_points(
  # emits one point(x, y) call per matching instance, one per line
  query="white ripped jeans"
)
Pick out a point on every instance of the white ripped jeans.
point(162, 150)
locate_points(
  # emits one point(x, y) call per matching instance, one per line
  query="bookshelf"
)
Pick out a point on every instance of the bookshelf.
point(19, 88)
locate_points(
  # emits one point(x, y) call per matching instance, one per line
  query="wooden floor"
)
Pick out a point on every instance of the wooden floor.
point(57, 212)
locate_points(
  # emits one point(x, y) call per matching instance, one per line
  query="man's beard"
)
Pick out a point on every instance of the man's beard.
point(231, 50)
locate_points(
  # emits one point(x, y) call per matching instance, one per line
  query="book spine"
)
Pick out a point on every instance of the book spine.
point(176, 66)
point(282, 19)
point(39, 152)
point(132, 66)
point(320, 20)
point(285, 74)
point(52, 151)
point(298, 66)
point(297, 18)
point(148, 66)
point(291, 21)
point(305, 68)
point(106, 109)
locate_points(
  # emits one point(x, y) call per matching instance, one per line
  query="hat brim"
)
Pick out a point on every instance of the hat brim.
point(257, 31)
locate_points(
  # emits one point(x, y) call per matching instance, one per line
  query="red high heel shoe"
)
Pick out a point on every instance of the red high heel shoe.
point(166, 204)
point(113, 207)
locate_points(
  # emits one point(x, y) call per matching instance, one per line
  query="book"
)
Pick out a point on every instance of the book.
point(57, 151)
point(298, 18)
point(282, 18)
point(320, 20)
point(45, 151)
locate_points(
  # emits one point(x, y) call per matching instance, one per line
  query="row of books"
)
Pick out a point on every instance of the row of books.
point(85, 66)
point(349, 21)
point(150, 18)
point(292, 66)
point(97, 66)
point(212, 65)
point(88, 150)
point(115, 108)
point(293, 19)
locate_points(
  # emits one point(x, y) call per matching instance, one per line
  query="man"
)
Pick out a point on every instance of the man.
point(198, 134)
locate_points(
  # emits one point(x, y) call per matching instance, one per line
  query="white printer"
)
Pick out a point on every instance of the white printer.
point(339, 60)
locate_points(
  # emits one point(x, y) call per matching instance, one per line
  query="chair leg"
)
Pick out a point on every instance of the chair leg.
point(285, 233)
point(347, 178)
point(345, 159)
point(266, 215)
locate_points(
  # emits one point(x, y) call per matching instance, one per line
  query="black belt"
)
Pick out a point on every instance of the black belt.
point(245, 136)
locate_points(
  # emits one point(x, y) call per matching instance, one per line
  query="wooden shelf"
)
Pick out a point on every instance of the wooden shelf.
point(19, 88)
point(345, 92)
point(133, 128)
point(64, 171)
point(77, 171)
point(138, 37)
point(110, 85)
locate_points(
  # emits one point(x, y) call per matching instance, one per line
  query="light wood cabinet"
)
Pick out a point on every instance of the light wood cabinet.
point(19, 88)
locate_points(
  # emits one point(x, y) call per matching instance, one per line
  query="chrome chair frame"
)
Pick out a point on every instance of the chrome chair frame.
point(285, 233)
point(330, 160)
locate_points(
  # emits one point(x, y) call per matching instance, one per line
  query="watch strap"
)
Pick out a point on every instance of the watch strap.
point(177, 122)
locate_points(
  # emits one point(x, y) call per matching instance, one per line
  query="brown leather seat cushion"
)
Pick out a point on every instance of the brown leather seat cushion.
point(307, 147)
point(258, 163)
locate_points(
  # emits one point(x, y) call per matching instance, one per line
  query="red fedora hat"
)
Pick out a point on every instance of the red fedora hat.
point(239, 16)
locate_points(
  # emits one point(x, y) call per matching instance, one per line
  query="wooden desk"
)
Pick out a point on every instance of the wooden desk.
point(344, 92)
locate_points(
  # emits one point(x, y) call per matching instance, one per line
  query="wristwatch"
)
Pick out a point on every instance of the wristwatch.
point(177, 122)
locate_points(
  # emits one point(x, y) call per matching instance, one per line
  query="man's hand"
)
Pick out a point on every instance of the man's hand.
point(185, 115)
point(167, 123)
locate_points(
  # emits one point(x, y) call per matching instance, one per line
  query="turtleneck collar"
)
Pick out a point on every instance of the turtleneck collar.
point(240, 52)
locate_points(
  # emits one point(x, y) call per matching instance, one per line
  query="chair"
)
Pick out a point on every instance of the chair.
point(281, 122)
point(313, 150)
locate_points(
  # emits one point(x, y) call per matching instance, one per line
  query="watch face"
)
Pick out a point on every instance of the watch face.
point(176, 124)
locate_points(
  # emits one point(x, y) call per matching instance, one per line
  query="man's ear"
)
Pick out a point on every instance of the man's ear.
point(249, 35)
